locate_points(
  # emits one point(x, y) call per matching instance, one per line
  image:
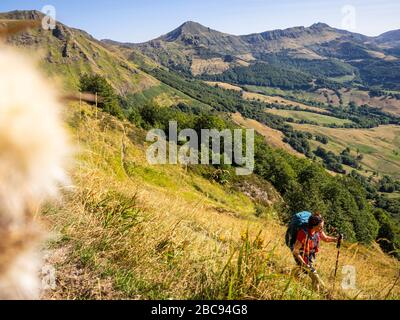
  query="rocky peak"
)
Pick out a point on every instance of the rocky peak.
point(188, 29)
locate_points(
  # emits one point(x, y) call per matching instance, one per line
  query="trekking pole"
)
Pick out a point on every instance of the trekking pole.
point(339, 242)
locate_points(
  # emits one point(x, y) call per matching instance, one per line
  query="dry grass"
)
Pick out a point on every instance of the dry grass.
point(242, 63)
point(310, 116)
point(224, 85)
point(264, 98)
point(208, 66)
point(390, 105)
point(248, 57)
point(279, 100)
point(272, 136)
point(168, 99)
point(160, 232)
point(328, 96)
point(376, 54)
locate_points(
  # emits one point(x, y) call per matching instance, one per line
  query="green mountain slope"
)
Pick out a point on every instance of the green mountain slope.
point(320, 51)
point(66, 53)
point(134, 231)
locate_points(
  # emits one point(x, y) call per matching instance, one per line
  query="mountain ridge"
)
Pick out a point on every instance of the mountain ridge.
point(196, 25)
point(318, 27)
point(197, 50)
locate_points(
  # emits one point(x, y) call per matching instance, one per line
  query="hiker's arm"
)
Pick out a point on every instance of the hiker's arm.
point(326, 238)
point(297, 255)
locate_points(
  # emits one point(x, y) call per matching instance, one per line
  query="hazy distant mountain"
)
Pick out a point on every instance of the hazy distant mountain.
point(390, 40)
point(389, 36)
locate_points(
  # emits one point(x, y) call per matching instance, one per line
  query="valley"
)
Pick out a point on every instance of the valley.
point(380, 146)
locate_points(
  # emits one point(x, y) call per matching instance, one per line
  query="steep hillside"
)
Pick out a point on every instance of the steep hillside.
point(131, 230)
point(66, 53)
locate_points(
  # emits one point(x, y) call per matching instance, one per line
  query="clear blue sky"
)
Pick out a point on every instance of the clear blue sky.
point(142, 20)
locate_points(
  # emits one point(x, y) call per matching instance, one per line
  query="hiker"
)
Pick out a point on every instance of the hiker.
point(305, 245)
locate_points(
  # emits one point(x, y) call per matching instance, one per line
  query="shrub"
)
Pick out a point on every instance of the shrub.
point(108, 98)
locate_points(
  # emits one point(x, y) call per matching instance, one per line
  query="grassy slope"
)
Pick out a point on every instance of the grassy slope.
point(264, 95)
point(84, 55)
point(387, 104)
point(130, 230)
point(279, 100)
point(317, 96)
point(272, 136)
point(328, 96)
point(87, 55)
point(302, 115)
point(380, 146)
